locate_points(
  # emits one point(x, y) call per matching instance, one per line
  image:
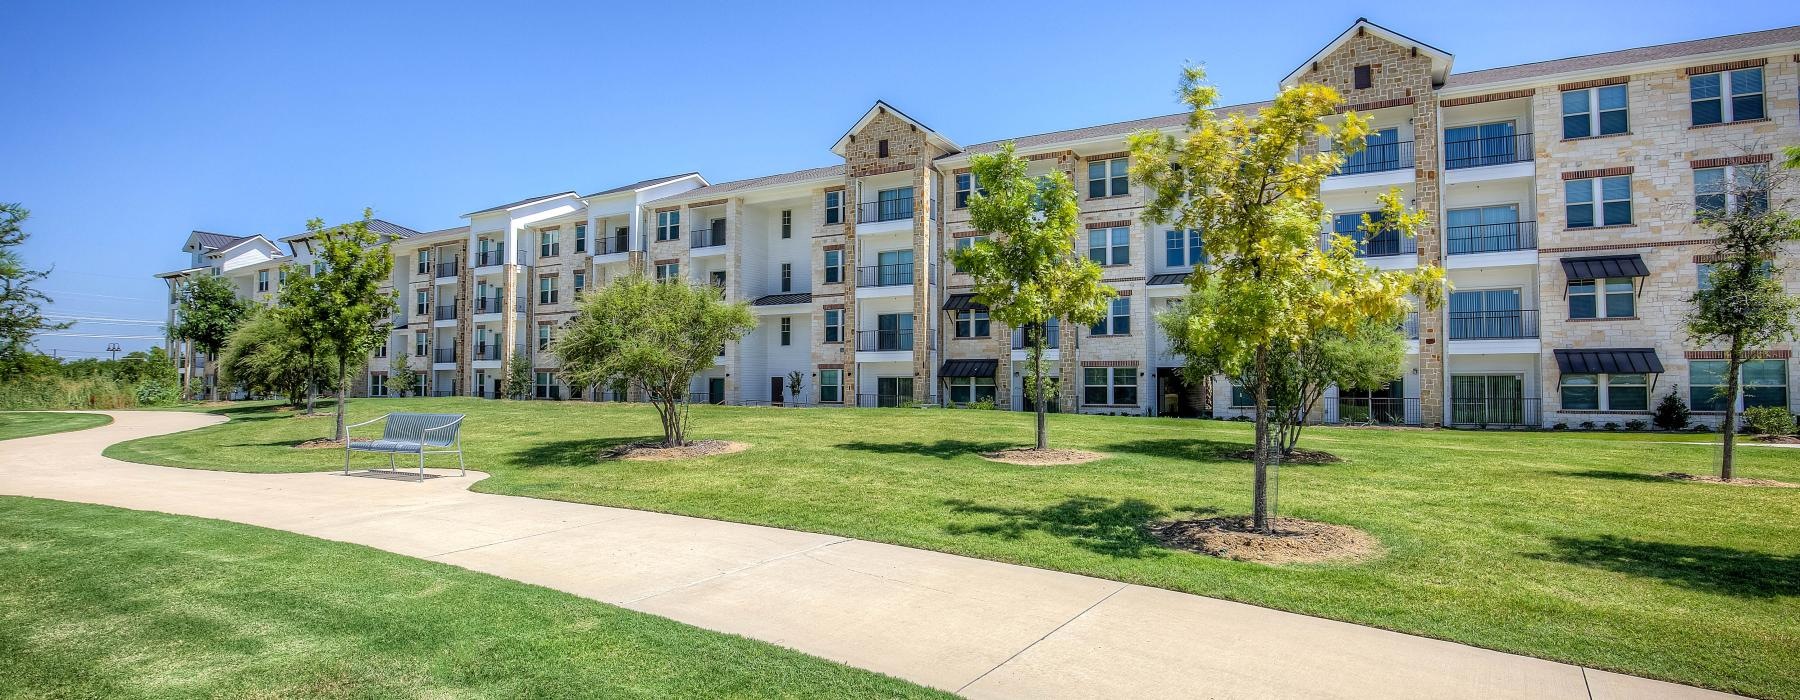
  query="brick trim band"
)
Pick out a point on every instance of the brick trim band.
point(835, 188)
point(1107, 156)
point(1124, 292)
point(661, 210)
point(1109, 224)
point(1109, 363)
point(832, 365)
point(834, 246)
point(1602, 82)
point(830, 307)
point(1624, 246)
point(966, 234)
point(1057, 154)
point(1377, 104)
point(1748, 354)
point(868, 170)
point(960, 171)
point(1721, 67)
point(1490, 97)
point(668, 261)
point(1752, 159)
point(707, 203)
point(1603, 172)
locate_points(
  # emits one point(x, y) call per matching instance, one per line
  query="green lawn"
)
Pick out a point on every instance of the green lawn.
point(18, 424)
point(1558, 545)
point(106, 603)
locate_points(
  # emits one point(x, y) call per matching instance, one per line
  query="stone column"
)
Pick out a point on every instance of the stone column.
point(1430, 244)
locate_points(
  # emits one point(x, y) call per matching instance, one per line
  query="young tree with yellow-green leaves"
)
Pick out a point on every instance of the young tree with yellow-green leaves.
point(1250, 184)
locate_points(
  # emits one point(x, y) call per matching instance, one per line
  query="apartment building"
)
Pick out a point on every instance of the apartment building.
point(1562, 198)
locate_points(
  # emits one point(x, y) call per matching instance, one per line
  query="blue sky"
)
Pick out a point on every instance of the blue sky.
point(128, 125)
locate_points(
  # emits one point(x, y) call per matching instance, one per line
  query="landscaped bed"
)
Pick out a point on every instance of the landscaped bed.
point(1562, 545)
point(108, 603)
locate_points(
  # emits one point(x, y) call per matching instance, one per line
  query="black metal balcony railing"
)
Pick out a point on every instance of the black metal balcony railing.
point(614, 244)
point(1363, 410)
point(444, 354)
point(1493, 325)
point(1491, 238)
point(484, 351)
point(1378, 157)
point(893, 401)
point(878, 341)
point(1496, 412)
point(884, 210)
point(441, 393)
point(1052, 341)
point(1411, 326)
point(446, 313)
point(494, 304)
point(708, 238)
point(490, 257)
point(1386, 244)
point(1487, 150)
point(884, 275)
point(446, 269)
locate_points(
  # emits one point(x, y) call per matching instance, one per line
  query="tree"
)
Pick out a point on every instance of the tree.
point(1029, 273)
point(20, 315)
point(519, 379)
point(1250, 184)
point(400, 375)
point(341, 306)
point(267, 358)
point(1672, 412)
point(658, 335)
point(1743, 305)
point(208, 312)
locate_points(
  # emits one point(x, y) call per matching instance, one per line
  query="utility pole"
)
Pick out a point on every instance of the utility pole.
point(114, 349)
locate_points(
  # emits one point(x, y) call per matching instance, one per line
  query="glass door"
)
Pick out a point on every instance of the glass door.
point(1485, 313)
point(1480, 144)
point(891, 392)
point(894, 204)
point(1483, 229)
point(896, 267)
point(894, 332)
point(1481, 399)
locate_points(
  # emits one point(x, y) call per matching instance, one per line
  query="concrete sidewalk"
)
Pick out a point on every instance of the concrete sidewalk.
point(980, 628)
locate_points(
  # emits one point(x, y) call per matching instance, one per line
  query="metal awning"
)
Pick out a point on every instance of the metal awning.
point(1603, 266)
point(1169, 279)
point(783, 299)
point(964, 302)
point(968, 368)
point(1609, 361)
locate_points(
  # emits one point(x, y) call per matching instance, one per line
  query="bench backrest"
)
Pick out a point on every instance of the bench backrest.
point(409, 426)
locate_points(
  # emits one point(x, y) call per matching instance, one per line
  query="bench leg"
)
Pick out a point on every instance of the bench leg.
point(421, 464)
point(346, 458)
point(462, 470)
point(390, 461)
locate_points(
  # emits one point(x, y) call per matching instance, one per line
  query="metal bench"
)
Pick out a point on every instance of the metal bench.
point(412, 433)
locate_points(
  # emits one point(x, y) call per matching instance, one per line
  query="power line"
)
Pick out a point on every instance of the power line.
point(101, 335)
point(101, 319)
point(91, 294)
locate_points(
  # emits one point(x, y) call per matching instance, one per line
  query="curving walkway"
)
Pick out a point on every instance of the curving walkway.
point(980, 628)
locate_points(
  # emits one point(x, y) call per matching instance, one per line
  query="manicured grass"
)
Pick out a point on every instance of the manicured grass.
point(108, 603)
point(18, 424)
point(1558, 545)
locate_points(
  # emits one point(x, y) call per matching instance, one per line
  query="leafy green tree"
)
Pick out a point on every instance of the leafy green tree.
point(400, 375)
point(520, 379)
point(267, 358)
point(1029, 273)
point(342, 309)
point(208, 312)
point(20, 314)
point(1744, 306)
point(1250, 184)
point(658, 335)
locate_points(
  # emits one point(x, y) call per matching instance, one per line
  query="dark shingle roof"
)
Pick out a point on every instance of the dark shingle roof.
point(1093, 132)
point(455, 229)
point(724, 188)
point(390, 228)
point(526, 200)
point(218, 241)
point(1625, 57)
point(779, 299)
point(641, 184)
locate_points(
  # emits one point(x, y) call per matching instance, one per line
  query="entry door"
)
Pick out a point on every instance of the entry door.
point(893, 391)
point(777, 387)
point(715, 390)
point(1494, 399)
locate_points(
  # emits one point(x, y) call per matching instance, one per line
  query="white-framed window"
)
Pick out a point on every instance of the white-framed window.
point(382, 349)
point(1605, 392)
point(1109, 386)
point(1612, 297)
point(420, 344)
point(668, 225)
point(834, 325)
point(1109, 178)
point(1183, 248)
point(581, 238)
point(1241, 396)
point(1730, 189)
point(973, 324)
point(543, 336)
point(421, 302)
point(1598, 201)
point(1764, 383)
point(544, 385)
point(667, 272)
point(262, 280)
point(1117, 320)
point(787, 223)
point(1703, 273)
point(834, 266)
point(965, 186)
point(547, 289)
point(549, 243)
point(831, 386)
point(965, 390)
point(1600, 111)
point(378, 384)
point(834, 207)
point(1726, 96)
point(787, 330)
point(965, 243)
point(580, 281)
point(787, 277)
point(1110, 246)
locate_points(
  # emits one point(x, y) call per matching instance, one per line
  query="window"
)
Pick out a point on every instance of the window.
point(1110, 246)
point(545, 386)
point(1581, 392)
point(423, 302)
point(1703, 273)
point(787, 330)
point(548, 245)
point(1117, 320)
point(964, 183)
point(1612, 193)
point(668, 272)
point(965, 243)
point(834, 325)
point(580, 281)
point(881, 149)
point(787, 223)
point(964, 390)
point(281, 275)
point(787, 277)
point(1241, 397)
point(378, 385)
point(262, 280)
point(543, 336)
point(1108, 178)
point(1595, 112)
point(1182, 248)
point(834, 266)
point(1109, 386)
point(668, 225)
point(1764, 384)
point(1364, 76)
point(972, 324)
point(581, 238)
point(831, 386)
point(1729, 96)
point(382, 349)
point(1746, 192)
point(547, 289)
point(1619, 293)
point(419, 345)
point(834, 207)
point(1627, 392)
point(424, 261)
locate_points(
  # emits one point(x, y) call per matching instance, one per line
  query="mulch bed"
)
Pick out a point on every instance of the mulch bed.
point(1779, 439)
point(326, 443)
point(1738, 481)
point(1293, 542)
point(1033, 457)
point(1300, 456)
point(655, 452)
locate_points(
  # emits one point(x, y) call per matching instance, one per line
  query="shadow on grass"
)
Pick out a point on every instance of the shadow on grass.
point(1617, 476)
point(1182, 448)
point(570, 453)
point(1732, 572)
point(942, 449)
point(1103, 526)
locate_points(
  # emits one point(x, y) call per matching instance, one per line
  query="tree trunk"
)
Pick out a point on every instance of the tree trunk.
point(312, 397)
point(1260, 453)
point(343, 389)
point(1042, 404)
point(1733, 361)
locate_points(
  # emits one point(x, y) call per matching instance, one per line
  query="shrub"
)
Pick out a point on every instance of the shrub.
point(1587, 425)
point(41, 392)
point(1637, 424)
point(1612, 426)
point(1560, 426)
point(1701, 428)
point(1672, 413)
point(155, 392)
point(985, 404)
point(1769, 420)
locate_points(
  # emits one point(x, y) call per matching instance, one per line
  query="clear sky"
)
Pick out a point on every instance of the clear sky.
point(127, 125)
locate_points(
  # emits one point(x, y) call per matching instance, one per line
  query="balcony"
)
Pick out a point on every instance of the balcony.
point(892, 401)
point(445, 313)
point(1383, 245)
point(1488, 150)
point(446, 269)
point(1377, 158)
point(444, 355)
point(1491, 238)
point(488, 258)
point(884, 210)
point(613, 245)
point(895, 275)
point(884, 341)
point(1493, 325)
point(1495, 412)
point(1410, 326)
point(486, 352)
point(1052, 341)
point(1365, 410)
point(497, 304)
point(708, 238)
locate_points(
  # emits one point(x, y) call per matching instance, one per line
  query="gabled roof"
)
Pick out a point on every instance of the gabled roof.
point(647, 184)
point(454, 230)
point(1440, 59)
point(724, 188)
point(182, 273)
point(243, 241)
point(1169, 121)
point(881, 107)
point(379, 226)
point(208, 240)
point(1659, 52)
point(520, 203)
